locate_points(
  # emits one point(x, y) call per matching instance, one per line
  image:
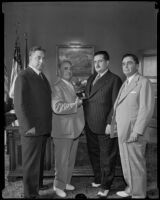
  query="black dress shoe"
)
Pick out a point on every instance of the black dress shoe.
point(80, 196)
point(33, 197)
point(43, 187)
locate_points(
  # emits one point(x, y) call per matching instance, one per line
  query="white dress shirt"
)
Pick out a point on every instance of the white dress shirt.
point(34, 69)
point(130, 78)
point(101, 74)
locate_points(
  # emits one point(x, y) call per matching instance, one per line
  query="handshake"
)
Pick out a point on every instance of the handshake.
point(78, 102)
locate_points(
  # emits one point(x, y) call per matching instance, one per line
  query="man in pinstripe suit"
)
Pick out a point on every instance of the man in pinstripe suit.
point(101, 92)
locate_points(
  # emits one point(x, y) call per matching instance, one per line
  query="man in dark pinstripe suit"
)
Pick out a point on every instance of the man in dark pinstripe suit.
point(101, 92)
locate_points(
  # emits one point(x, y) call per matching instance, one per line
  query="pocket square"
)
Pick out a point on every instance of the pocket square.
point(133, 92)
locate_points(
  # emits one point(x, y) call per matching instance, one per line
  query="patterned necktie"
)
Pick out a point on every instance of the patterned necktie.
point(96, 79)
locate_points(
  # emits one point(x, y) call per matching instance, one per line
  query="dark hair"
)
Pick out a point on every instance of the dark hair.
point(36, 48)
point(104, 53)
point(135, 58)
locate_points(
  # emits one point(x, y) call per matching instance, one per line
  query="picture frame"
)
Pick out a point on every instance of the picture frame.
point(149, 66)
point(81, 57)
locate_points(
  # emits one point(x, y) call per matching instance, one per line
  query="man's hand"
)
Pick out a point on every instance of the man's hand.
point(108, 129)
point(78, 101)
point(133, 137)
point(31, 131)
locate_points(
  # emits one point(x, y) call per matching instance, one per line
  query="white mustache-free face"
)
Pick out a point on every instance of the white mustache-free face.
point(129, 66)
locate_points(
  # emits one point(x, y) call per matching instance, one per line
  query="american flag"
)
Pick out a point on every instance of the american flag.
point(26, 53)
point(6, 84)
point(16, 67)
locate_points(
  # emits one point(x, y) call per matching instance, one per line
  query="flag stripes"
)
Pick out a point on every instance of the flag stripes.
point(26, 53)
point(6, 84)
point(16, 68)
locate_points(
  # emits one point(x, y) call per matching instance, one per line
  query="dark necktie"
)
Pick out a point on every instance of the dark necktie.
point(41, 75)
point(96, 79)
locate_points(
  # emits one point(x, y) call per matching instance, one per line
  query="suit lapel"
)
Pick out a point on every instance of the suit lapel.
point(89, 85)
point(99, 83)
point(130, 87)
point(43, 82)
point(119, 94)
point(66, 87)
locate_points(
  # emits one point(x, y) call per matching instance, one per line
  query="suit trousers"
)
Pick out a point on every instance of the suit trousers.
point(65, 154)
point(103, 153)
point(43, 150)
point(134, 166)
point(33, 149)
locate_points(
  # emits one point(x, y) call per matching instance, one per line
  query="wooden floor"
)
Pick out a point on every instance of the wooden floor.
point(82, 184)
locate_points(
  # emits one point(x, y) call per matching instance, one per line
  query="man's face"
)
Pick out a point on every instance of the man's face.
point(100, 64)
point(36, 60)
point(66, 71)
point(129, 66)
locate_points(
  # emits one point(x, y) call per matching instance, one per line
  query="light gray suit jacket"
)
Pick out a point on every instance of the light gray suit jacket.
point(68, 119)
point(133, 108)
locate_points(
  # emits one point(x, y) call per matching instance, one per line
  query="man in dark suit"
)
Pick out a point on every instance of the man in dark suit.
point(101, 91)
point(32, 103)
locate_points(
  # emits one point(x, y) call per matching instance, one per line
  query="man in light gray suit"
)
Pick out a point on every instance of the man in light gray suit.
point(133, 110)
point(68, 120)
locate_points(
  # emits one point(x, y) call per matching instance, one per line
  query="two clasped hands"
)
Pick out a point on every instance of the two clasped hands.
point(133, 137)
point(32, 131)
point(78, 102)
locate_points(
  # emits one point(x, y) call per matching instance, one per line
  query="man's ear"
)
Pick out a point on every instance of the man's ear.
point(58, 72)
point(107, 63)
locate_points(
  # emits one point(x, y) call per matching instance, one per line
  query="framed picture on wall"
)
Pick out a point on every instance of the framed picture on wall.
point(149, 66)
point(81, 57)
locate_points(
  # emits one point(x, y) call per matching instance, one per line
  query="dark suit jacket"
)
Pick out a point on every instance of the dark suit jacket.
point(98, 107)
point(32, 102)
point(8, 105)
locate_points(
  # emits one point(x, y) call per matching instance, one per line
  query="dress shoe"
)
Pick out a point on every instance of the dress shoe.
point(70, 187)
point(80, 196)
point(95, 184)
point(103, 193)
point(139, 197)
point(59, 192)
point(43, 187)
point(32, 197)
point(122, 194)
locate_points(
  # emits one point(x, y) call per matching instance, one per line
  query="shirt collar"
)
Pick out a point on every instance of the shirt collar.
point(101, 74)
point(130, 78)
point(67, 82)
point(35, 70)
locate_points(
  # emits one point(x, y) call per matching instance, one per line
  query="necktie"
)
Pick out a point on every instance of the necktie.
point(126, 84)
point(41, 75)
point(96, 79)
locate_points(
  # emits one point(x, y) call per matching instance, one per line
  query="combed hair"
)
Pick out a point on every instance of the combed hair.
point(36, 48)
point(135, 58)
point(104, 53)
